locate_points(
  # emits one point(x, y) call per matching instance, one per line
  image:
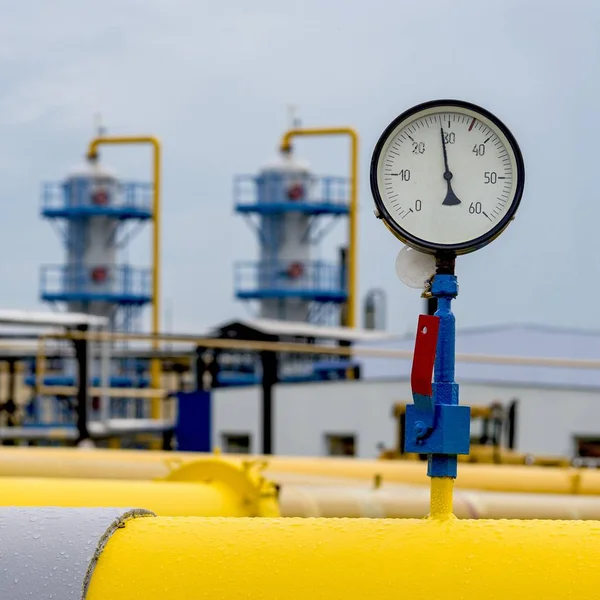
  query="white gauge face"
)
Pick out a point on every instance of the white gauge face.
point(448, 176)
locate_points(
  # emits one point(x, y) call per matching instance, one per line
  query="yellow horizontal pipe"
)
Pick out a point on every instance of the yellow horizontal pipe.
point(143, 464)
point(325, 559)
point(231, 498)
point(165, 499)
point(301, 495)
point(218, 490)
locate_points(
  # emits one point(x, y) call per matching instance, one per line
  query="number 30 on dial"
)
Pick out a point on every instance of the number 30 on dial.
point(447, 176)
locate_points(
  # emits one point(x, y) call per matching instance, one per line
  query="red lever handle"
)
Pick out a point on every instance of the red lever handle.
point(424, 355)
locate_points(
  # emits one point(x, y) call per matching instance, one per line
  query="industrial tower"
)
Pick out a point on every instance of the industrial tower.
point(98, 213)
point(290, 280)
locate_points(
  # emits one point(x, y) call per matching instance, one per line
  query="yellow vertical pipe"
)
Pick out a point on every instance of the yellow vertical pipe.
point(156, 174)
point(353, 218)
point(327, 559)
point(441, 498)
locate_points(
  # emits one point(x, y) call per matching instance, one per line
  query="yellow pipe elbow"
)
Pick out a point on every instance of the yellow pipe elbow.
point(154, 142)
point(324, 559)
point(286, 145)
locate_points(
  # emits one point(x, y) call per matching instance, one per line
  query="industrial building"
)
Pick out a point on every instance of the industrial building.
point(557, 409)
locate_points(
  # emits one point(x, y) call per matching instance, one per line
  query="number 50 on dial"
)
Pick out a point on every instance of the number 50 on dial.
point(447, 175)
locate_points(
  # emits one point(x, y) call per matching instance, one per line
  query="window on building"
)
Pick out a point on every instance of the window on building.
point(236, 443)
point(587, 446)
point(343, 444)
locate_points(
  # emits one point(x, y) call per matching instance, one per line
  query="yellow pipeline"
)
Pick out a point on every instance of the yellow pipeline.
point(68, 462)
point(353, 217)
point(221, 498)
point(325, 559)
point(155, 369)
point(219, 489)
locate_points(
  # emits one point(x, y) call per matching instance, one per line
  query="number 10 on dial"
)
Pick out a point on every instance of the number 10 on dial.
point(447, 176)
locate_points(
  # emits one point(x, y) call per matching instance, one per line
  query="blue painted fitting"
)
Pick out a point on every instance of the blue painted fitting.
point(420, 429)
point(449, 435)
point(440, 465)
point(437, 425)
point(425, 406)
point(444, 286)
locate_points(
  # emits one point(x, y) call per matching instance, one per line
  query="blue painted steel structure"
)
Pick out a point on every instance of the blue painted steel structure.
point(97, 216)
point(79, 203)
point(285, 271)
point(437, 425)
point(293, 210)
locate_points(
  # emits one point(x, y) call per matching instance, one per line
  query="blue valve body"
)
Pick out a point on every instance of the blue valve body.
point(438, 426)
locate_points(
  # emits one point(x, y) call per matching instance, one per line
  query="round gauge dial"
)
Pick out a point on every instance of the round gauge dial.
point(447, 175)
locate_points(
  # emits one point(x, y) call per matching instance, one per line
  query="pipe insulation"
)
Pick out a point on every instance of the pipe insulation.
point(51, 553)
point(412, 502)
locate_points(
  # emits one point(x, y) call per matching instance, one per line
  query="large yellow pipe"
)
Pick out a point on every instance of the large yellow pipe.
point(155, 370)
point(221, 490)
point(325, 559)
point(353, 217)
point(143, 464)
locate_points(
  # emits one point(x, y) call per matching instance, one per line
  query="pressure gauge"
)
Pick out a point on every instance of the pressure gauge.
point(447, 175)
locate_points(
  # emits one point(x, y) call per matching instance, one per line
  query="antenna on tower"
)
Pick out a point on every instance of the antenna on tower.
point(293, 120)
point(100, 129)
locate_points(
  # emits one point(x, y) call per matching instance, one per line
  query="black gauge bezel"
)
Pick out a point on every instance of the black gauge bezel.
point(432, 247)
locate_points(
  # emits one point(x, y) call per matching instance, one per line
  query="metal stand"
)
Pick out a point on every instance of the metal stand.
point(435, 424)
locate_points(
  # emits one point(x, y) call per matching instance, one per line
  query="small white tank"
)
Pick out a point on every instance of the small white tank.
point(92, 249)
point(285, 262)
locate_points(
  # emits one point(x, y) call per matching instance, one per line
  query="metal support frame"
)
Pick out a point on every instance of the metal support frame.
point(10, 406)
point(82, 355)
point(269, 379)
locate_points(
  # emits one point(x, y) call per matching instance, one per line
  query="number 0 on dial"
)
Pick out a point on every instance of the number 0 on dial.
point(447, 175)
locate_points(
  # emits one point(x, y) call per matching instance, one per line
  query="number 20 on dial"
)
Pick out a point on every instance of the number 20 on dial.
point(447, 175)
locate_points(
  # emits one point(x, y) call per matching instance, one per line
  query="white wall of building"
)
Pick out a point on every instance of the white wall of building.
point(548, 418)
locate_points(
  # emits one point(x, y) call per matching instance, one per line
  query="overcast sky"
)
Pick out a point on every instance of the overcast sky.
point(212, 80)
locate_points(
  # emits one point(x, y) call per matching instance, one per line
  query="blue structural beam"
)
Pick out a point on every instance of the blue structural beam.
point(314, 208)
point(314, 280)
point(123, 285)
point(69, 201)
point(435, 424)
point(330, 198)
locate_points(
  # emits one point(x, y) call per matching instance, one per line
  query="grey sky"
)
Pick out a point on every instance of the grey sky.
point(212, 80)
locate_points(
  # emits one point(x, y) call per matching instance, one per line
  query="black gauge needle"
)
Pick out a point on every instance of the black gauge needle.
point(451, 198)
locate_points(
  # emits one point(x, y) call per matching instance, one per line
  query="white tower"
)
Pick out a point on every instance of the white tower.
point(288, 281)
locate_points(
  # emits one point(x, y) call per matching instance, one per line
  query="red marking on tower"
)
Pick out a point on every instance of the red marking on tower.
point(472, 123)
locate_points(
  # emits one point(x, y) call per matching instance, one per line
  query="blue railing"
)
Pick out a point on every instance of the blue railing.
point(77, 197)
point(120, 284)
point(274, 192)
point(312, 280)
